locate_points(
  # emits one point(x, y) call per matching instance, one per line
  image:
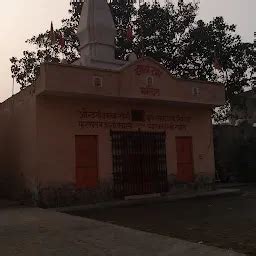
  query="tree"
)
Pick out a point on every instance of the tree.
point(237, 59)
point(217, 39)
point(26, 69)
point(123, 12)
point(158, 32)
point(167, 40)
point(170, 34)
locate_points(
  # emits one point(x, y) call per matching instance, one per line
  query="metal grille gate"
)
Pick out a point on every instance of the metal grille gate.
point(139, 163)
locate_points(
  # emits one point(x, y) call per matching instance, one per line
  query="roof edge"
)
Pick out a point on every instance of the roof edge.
point(167, 71)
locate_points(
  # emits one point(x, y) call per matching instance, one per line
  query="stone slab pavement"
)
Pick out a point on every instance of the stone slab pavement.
point(151, 200)
point(6, 203)
point(33, 231)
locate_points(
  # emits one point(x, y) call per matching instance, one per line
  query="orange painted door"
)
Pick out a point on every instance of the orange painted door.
point(185, 164)
point(86, 161)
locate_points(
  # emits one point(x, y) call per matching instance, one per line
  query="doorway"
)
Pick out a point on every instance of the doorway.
point(139, 163)
point(86, 161)
point(185, 163)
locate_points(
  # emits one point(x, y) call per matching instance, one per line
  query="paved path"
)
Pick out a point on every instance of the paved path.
point(6, 204)
point(150, 200)
point(31, 231)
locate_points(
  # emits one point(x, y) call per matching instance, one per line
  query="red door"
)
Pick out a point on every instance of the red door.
point(185, 163)
point(86, 161)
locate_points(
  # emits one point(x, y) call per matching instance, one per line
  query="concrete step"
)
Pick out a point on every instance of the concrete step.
point(8, 204)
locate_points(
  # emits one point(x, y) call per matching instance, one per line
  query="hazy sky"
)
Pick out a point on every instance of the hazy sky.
point(21, 19)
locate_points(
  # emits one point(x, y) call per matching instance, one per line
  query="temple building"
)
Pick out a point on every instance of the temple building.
point(103, 125)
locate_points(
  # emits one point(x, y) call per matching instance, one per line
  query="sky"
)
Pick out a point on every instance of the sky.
point(21, 19)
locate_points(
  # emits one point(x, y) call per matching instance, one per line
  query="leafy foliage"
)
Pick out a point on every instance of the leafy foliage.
point(171, 34)
point(123, 12)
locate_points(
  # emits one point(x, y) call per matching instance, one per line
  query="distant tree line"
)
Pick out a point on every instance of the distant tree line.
point(170, 33)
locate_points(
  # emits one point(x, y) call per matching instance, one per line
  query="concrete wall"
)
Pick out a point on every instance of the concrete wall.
point(4, 122)
point(235, 148)
point(60, 119)
point(38, 126)
point(129, 82)
point(18, 148)
point(245, 110)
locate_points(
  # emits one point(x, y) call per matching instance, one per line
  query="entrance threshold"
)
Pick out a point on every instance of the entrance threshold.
point(145, 196)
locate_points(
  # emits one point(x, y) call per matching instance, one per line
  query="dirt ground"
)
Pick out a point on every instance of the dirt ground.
point(225, 222)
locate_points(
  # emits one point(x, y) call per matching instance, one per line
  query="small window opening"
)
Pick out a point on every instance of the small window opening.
point(150, 81)
point(138, 115)
point(195, 91)
point(97, 81)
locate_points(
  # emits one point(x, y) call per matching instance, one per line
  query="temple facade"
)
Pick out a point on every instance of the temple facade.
point(104, 128)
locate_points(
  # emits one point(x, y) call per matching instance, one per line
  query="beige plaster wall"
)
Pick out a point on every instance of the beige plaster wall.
point(129, 82)
point(18, 138)
point(59, 120)
point(37, 131)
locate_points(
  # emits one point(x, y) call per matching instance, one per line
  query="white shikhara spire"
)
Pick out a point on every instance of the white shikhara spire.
point(96, 32)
